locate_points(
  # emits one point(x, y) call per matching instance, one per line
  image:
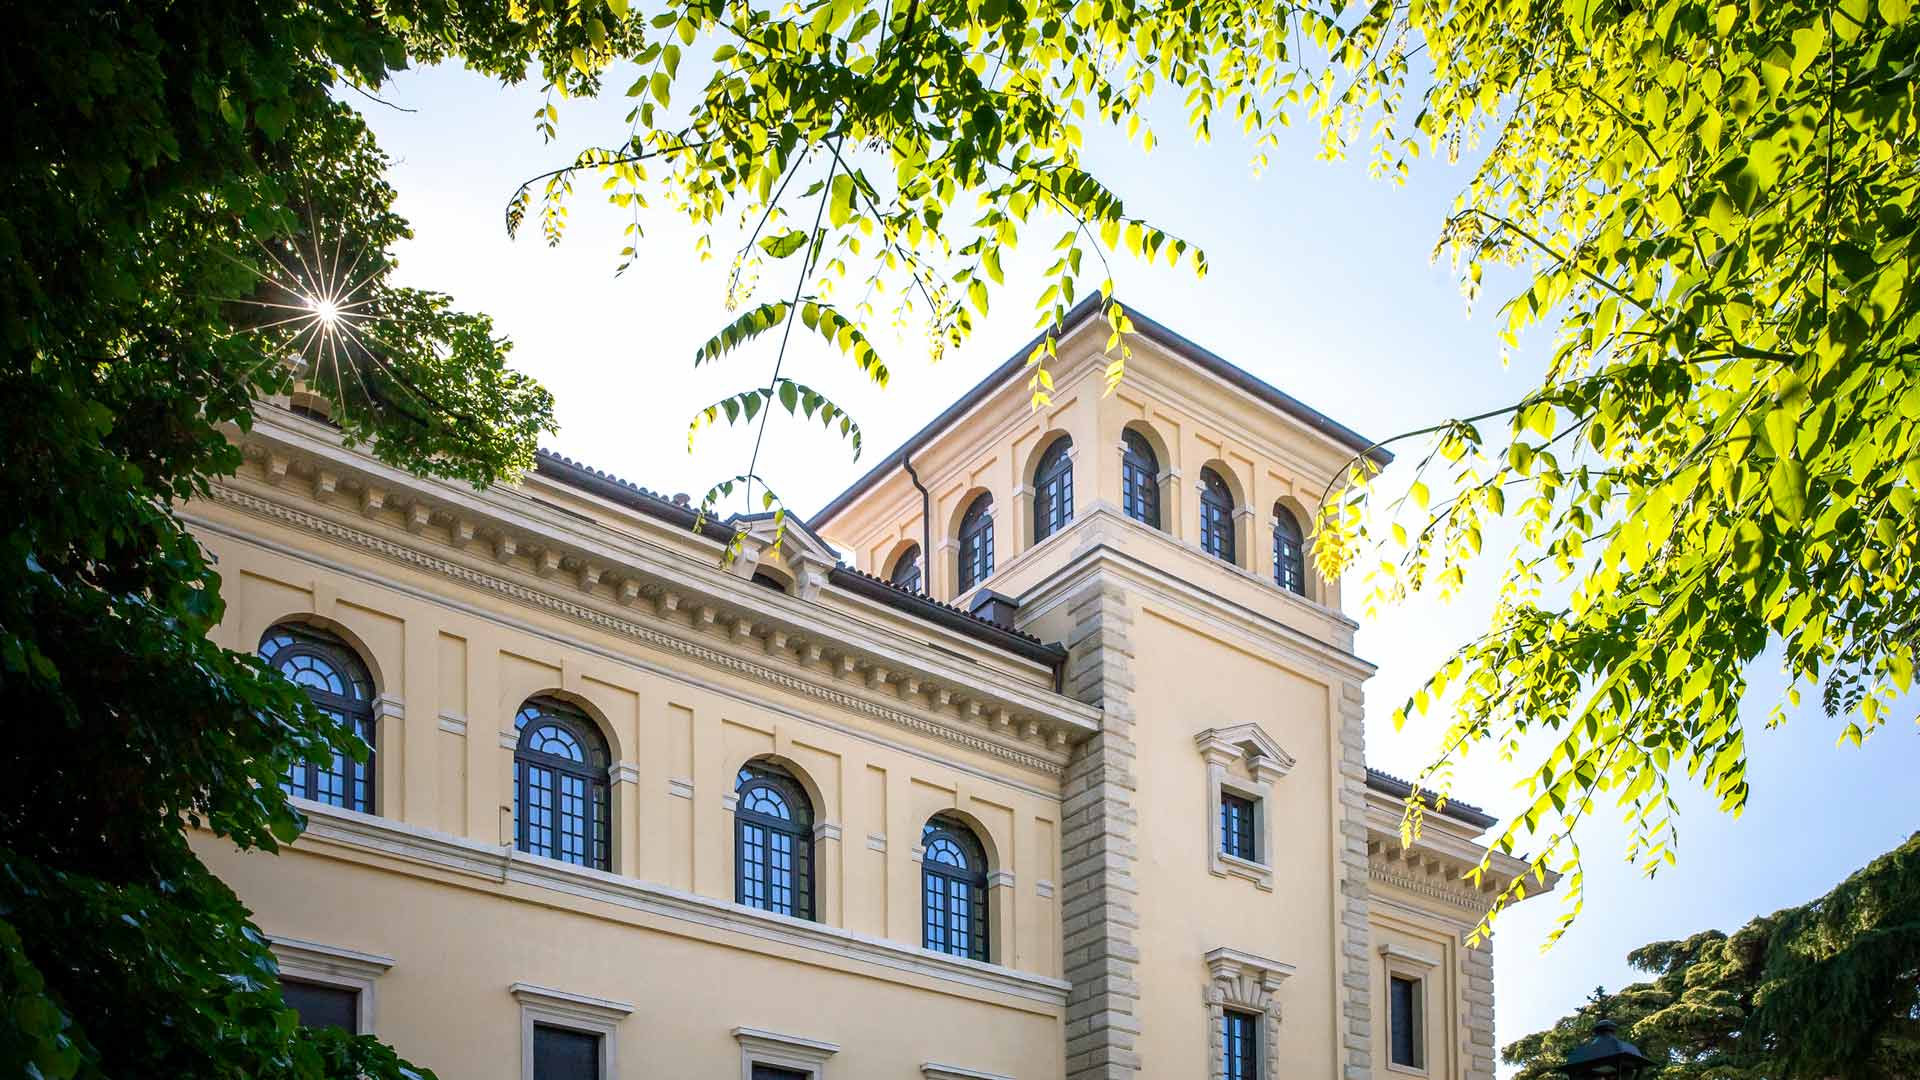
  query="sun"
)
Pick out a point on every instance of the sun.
point(324, 309)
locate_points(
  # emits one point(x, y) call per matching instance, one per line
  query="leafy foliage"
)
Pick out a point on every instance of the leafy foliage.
point(184, 195)
point(1829, 989)
point(1712, 201)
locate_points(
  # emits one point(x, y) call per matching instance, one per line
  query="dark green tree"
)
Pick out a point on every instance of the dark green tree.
point(1828, 989)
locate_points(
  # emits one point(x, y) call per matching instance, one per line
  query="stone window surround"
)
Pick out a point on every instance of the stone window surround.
point(1404, 963)
point(573, 1012)
point(933, 1070)
point(1222, 748)
point(331, 965)
point(1244, 982)
point(761, 1047)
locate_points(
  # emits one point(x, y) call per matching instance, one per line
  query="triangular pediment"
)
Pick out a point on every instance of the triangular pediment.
point(1249, 743)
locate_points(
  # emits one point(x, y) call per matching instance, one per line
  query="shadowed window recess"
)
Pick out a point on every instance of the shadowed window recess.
point(1405, 1024)
point(338, 685)
point(1053, 489)
point(560, 800)
point(322, 1006)
point(906, 569)
point(1289, 552)
point(1139, 479)
point(773, 842)
point(1237, 826)
point(1239, 1045)
point(953, 890)
point(976, 543)
point(1216, 516)
point(564, 1054)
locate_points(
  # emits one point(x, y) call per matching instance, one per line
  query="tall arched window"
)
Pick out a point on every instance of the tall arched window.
point(1216, 516)
point(976, 543)
point(906, 569)
point(1289, 552)
point(953, 890)
point(1139, 478)
point(773, 842)
point(1053, 489)
point(560, 803)
point(338, 685)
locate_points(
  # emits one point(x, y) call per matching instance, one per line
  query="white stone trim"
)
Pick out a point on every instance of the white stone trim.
point(624, 772)
point(1250, 745)
point(503, 865)
point(933, 1070)
point(679, 787)
point(1400, 956)
point(1043, 889)
point(331, 965)
point(827, 830)
point(509, 740)
point(574, 1012)
point(1000, 878)
point(877, 842)
point(1244, 982)
point(452, 725)
point(761, 1047)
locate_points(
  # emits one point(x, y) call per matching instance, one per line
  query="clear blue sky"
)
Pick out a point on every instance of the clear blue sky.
point(1321, 284)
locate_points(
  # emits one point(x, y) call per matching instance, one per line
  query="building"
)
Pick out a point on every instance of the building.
point(1059, 775)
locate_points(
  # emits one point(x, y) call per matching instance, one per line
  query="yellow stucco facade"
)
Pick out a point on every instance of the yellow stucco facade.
point(1134, 684)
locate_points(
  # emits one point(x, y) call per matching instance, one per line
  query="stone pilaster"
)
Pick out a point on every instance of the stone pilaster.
point(1356, 994)
point(1479, 1009)
point(1097, 842)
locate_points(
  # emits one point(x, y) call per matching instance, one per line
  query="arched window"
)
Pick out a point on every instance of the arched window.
point(1053, 489)
point(1139, 478)
point(338, 685)
point(1216, 516)
point(768, 581)
point(773, 842)
point(1289, 552)
point(976, 543)
point(953, 890)
point(560, 805)
point(906, 569)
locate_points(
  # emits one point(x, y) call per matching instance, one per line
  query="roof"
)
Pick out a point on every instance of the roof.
point(1205, 359)
point(624, 493)
point(1388, 784)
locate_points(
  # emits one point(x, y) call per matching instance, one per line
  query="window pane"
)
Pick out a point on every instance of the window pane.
point(1403, 1021)
point(1240, 1045)
point(560, 1054)
point(775, 1072)
point(1236, 827)
point(323, 1006)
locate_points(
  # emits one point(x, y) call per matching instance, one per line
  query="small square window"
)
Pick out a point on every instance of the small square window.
point(1405, 1029)
point(1239, 1045)
point(564, 1054)
point(1237, 827)
point(322, 1006)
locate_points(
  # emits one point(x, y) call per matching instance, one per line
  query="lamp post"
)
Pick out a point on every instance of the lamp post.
point(1606, 1055)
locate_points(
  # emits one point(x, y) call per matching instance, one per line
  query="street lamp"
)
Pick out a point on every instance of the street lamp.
point(1606, 1055)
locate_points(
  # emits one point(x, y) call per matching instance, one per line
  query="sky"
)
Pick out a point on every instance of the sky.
point(1321, 283)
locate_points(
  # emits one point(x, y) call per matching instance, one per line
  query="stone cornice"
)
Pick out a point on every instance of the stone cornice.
point(738, 627)
point(1409, 879)
point(502, 866)
point(1260, 633)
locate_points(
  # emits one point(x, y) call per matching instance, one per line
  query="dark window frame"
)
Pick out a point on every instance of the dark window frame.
point(1239, 1045)
point(282, 647)
point(595, 837)
point(1053, 489)
point(1239, 826)
point(755, 831)
point(1216, 517)
point(542, 1065)
point(976, 542)
point(942, 930)
point(350, 994)
point(907, 571)
point(1139, 479)
point(1289, 552)
point(1413, 1054)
